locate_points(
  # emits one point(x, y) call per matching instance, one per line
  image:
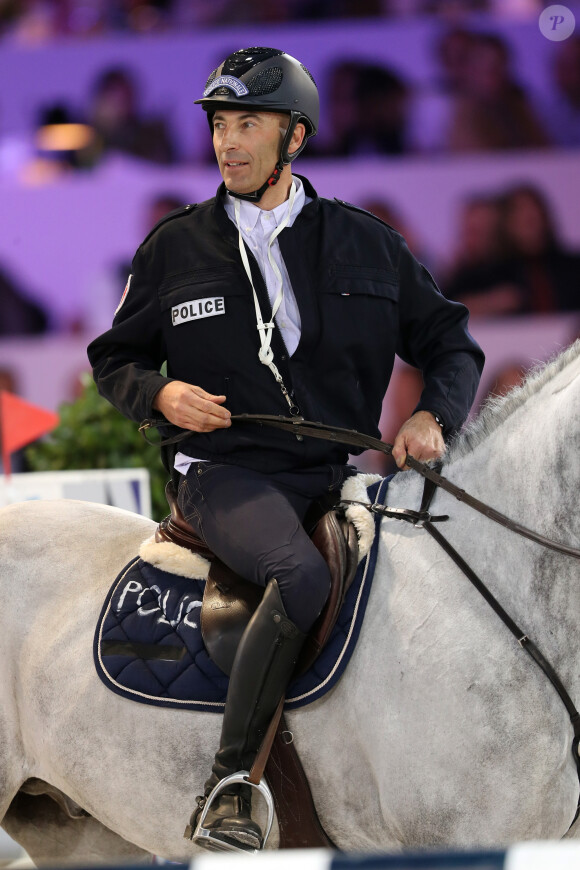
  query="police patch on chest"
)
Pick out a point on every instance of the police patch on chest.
point(197, 309)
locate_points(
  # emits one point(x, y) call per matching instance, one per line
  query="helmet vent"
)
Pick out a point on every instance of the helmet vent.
point(308, 73)
point(265, 82)
point(243, 60)
point(210, 79)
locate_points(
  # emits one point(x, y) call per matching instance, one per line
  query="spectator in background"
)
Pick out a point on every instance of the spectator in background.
point(19, 315)
point(562, 111)
point(139, 16)
point(505, 378)
point(453, 52)
point(306, 10)
point(548, 273)
point(389, 213)
point(481, 274)
point(105, 290)
point(114, 115)
point(492, 111)
point(368, 106)
point(30, 22)
point(432, 104)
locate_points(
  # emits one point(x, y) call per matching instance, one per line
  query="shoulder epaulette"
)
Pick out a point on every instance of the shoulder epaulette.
point(363, 211)
point(183, 211)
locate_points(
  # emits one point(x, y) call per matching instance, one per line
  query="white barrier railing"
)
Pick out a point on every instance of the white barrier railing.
point(126, 488)
point(540, 855)
point(543, 855)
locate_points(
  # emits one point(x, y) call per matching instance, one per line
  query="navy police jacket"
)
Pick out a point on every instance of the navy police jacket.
point(362, 297)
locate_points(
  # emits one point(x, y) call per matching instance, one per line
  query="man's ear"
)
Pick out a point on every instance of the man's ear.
point(297, 138)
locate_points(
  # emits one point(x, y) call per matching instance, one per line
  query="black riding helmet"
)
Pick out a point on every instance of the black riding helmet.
point(267, 80)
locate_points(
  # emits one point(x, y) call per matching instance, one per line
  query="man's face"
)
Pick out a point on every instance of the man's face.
point(247, 146)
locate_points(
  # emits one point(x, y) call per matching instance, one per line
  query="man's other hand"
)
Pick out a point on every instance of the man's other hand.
point(190, 407)
point(421, 437)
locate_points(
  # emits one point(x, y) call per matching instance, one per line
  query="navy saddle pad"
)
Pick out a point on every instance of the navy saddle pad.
point(148, 644)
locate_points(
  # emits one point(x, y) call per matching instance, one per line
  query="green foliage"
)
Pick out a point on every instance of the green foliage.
point(93, 434)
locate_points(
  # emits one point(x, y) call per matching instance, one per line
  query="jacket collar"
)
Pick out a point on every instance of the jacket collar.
point(310, 210)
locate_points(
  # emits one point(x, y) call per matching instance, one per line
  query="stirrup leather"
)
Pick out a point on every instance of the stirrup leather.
point(208, 837)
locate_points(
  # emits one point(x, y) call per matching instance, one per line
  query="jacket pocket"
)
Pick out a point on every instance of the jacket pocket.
point(203, 300)
point(199, 284)
point(345, 280)
point(198, 276)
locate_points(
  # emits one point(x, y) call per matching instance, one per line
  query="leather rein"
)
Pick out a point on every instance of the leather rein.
point(300, 426)
point(423, 519)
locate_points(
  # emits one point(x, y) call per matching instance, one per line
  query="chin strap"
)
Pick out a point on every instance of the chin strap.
point(257, 195)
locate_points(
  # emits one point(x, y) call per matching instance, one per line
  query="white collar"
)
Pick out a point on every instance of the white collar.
point(250, 213)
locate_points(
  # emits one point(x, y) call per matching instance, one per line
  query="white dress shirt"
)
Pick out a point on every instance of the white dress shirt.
point(257, 226)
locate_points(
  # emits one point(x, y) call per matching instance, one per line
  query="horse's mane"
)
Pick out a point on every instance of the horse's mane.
point(496, 409)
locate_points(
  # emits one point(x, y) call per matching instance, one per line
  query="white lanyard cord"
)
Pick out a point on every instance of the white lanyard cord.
point(265, 330)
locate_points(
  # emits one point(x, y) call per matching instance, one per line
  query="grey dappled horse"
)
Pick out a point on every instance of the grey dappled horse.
point(442, 730)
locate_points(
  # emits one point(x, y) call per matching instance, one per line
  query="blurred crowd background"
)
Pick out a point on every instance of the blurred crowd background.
point(39, 20)
point(456, 122)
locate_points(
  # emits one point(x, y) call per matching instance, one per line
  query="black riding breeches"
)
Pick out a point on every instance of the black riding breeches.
point(253, 523)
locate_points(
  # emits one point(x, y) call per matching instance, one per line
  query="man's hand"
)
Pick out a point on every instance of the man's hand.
point(421, 437)
point(190, 407)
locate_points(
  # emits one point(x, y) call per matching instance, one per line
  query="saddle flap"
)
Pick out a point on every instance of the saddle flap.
point(335, 538)
point(228, 604)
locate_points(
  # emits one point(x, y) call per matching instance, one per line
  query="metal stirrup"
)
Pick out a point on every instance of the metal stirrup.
point(209, 838)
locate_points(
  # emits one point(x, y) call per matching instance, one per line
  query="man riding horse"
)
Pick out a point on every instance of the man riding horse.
point(270, 299)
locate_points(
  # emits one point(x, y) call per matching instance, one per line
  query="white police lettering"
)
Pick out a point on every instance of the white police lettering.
point(230, 82)
point(159, 605)
point(197, 309)
point(132, 586)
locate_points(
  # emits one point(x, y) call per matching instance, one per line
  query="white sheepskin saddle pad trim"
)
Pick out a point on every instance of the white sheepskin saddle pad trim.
point(174, 559)
point(355, 489)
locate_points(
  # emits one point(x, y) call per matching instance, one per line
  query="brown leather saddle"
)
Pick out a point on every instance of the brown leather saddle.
point(228, 603)
point(229, 600)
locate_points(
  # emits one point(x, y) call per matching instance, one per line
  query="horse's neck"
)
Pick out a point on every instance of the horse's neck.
point(526, 466)
point(527, 469)
point(537, 588)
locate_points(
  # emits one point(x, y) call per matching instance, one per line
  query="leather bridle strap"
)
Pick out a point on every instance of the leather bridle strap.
point(423, 519)
point(521, 637)
point(300, 426)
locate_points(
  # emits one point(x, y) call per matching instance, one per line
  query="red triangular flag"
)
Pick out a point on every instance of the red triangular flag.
point(21, 423)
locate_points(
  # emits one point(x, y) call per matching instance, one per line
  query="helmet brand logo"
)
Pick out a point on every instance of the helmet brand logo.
point(230, 82)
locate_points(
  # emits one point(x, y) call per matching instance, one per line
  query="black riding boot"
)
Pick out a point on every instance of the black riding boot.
point(264, 663)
